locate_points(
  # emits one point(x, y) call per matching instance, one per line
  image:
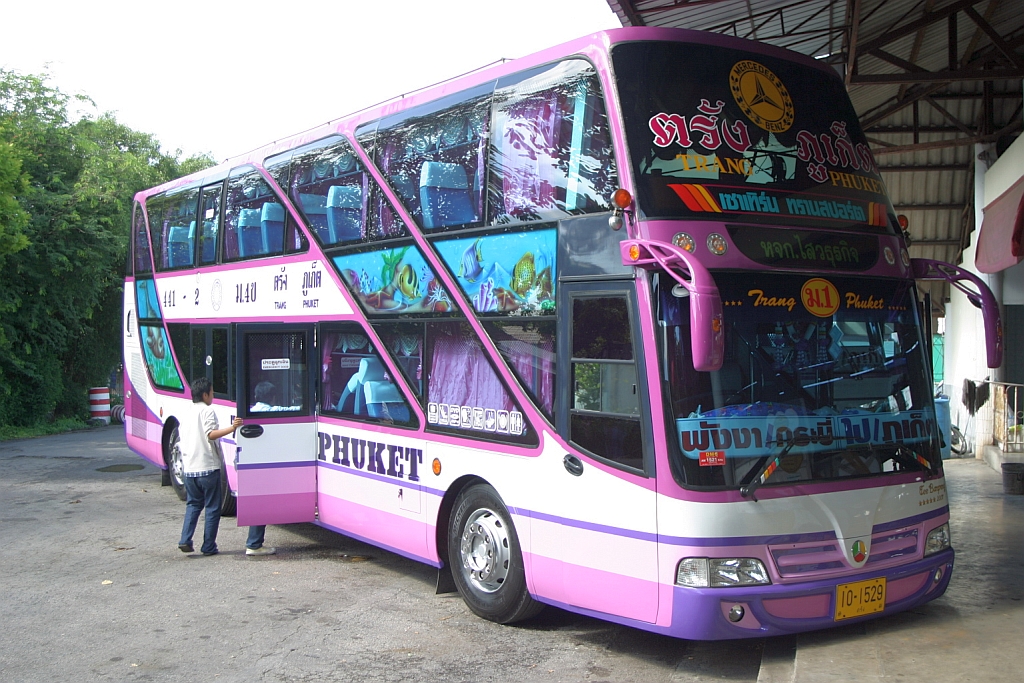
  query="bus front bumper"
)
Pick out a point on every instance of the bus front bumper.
point(780, 609)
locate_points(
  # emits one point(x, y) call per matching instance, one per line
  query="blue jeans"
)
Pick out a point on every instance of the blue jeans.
point(202, 492)
point(255, 539)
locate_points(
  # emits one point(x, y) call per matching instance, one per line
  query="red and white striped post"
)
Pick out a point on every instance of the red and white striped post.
point(99, 404)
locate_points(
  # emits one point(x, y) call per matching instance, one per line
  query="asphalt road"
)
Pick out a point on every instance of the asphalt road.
point(93, 588)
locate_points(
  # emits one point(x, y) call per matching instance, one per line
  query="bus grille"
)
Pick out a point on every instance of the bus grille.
point(821, 559)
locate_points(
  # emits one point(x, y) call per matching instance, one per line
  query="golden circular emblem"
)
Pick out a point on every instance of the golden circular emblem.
point(762, 96)
point(820, 297)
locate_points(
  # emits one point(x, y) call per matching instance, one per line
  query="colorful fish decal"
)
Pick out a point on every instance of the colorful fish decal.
point(472, 262)
point(523, 275)
point(407, 283)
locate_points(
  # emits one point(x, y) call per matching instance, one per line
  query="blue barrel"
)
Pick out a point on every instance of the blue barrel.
point(945, 428)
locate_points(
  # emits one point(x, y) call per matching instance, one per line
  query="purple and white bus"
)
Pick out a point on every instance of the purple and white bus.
point(628, 327)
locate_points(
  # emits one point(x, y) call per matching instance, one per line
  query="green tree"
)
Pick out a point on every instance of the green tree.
point(60, 295)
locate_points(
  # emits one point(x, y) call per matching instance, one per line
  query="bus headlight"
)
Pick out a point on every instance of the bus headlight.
point(701, 572)
point(937, 541)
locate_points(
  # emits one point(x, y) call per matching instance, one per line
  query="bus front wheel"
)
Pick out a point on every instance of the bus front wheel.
point(486, 561)
point(175, 466)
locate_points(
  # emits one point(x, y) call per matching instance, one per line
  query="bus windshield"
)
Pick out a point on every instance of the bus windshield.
point(825, 374)
point(723, 134)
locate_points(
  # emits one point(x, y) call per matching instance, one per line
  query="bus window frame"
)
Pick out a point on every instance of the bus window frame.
point(593, 289)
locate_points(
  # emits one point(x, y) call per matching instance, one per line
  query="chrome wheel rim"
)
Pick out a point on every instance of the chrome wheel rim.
point(484, 549)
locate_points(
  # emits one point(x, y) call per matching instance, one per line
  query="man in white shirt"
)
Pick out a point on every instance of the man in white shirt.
point(202, 460)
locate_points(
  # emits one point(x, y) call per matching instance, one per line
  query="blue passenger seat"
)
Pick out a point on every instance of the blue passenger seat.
point(384, 400)
point(345, 212)
point(209, 241)
point(179, 245)
point(444, 195)
point(370, 370)
point(315, 208)
point(272, 224)
point(250, 233)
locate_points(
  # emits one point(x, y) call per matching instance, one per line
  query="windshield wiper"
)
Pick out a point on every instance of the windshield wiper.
point(766, 468)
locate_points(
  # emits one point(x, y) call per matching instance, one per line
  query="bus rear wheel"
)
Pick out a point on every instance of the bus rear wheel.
point(485, 557)
point(228, 503)
point(175, 465)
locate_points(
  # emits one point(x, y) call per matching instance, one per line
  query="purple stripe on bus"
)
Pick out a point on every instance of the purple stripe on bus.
point(716, 542)
point(370, 541)
point(274, 465)
point(403, 483)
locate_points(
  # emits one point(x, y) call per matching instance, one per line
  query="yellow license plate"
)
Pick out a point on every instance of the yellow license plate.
point(860, 598)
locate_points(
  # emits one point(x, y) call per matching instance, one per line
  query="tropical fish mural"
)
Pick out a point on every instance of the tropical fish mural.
point(393, 281)
point(511, 273)
point(158, 357)
point(146, 300)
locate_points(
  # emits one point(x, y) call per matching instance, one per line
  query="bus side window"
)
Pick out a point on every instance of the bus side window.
point(141, 242)
point(550, 152)
point(209, 216)
point(172, 219)
point(604, 415)
point(355, 382)
point(436, 162)
point(254, 219)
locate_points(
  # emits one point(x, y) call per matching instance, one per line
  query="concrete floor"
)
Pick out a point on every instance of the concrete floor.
point(975, 632)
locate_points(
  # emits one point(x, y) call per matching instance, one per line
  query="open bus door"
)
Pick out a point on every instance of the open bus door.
point(276, 457)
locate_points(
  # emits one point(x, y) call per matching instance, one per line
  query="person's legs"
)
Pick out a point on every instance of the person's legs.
point(210, 484)
point(193, 506)
point(256, 536)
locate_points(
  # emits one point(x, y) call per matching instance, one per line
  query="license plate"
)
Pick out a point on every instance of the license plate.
point(860, 598)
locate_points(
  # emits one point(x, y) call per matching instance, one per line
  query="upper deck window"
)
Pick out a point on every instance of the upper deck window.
point(533, 146)
point(551, 153)
point(140, 239)
point(338, 198)
point(721, 134)
point(172, 220)
point(256, 223)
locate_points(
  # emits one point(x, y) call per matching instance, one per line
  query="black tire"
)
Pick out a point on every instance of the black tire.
point(957, 442)
point(485, 558)
point(228, 507)
point(175, 467)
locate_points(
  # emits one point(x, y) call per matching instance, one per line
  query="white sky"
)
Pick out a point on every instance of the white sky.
point(226, 76)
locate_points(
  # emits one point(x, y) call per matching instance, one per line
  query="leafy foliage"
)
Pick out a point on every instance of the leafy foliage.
point(66, 189)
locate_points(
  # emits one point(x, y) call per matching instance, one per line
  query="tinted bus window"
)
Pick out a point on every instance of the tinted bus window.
point(339, 200)
point(551, 152)
point(254, 218)
point(172, 220)
point(140, 241)
point(209, 216)
point(355, 383)
point(436, 163)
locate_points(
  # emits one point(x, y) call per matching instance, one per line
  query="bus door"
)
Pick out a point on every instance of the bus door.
point(276, 457)
point(606, 487)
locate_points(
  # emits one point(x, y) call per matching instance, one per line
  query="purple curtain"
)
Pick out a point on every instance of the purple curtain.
point(460, 374)
point(535, 366)
point(529, 172)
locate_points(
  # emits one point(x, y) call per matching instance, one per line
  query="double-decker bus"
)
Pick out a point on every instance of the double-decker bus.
point(628, 327)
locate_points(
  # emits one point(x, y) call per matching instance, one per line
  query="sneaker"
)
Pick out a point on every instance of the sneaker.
point(211, 552)
point(185, 547)
point(265, 550)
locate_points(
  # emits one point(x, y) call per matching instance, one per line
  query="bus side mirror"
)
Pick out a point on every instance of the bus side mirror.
point(980, 295)
point(707, 330)
point(707, 333)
